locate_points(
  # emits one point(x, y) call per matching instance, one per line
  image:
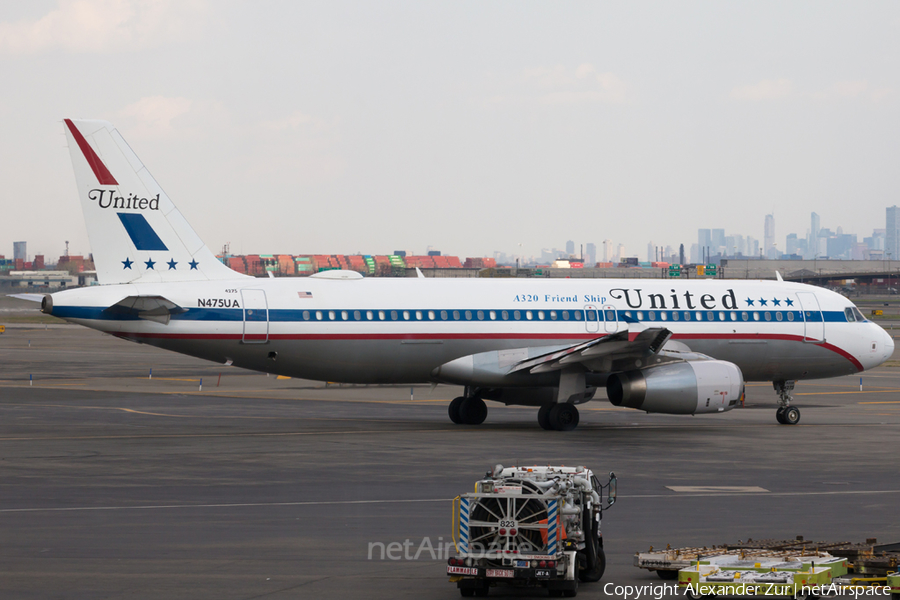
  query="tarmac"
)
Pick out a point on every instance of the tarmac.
point(114, 483)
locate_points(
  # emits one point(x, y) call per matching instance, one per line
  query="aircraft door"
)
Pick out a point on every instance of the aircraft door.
point(591, 319)
point(611, 323)
point(256, 317)
point(813, 319)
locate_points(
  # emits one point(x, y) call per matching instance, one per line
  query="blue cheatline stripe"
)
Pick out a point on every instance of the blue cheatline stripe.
point(552, 531)
point(396, 316)
point(142, 235)
point(464, 525)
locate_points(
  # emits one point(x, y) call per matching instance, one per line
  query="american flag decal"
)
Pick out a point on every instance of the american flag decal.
point(304, 295)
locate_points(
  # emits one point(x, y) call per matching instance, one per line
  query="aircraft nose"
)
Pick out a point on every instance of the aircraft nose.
point(888, 344)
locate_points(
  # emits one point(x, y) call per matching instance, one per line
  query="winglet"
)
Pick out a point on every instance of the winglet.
point(778, 276)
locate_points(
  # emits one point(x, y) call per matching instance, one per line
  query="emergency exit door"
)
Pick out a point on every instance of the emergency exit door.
point(256, 317)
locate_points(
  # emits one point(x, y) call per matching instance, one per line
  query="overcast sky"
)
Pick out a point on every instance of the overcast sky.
point(336, 127)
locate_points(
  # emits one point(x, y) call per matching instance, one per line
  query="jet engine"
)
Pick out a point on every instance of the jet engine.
point(683, 388)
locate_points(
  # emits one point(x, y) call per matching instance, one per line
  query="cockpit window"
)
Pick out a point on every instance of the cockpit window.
point(848, 312)
point(859, 315)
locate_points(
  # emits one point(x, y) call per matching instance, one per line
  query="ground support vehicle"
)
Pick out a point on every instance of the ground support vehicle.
point(893, 582)
point(729, 575)
point(533, 526)
point(867, 559)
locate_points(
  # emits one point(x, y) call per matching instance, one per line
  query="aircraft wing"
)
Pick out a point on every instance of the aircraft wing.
point(152, 308)
point(599, 354)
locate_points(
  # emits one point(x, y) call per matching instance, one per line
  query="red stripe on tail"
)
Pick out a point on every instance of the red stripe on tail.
point(100, 170)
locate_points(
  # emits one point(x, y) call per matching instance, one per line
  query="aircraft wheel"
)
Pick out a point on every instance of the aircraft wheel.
point(791, 415)
point(544, 417)
point(473, 411)
point(453, 409)
point(779, 415)
point(564, 416)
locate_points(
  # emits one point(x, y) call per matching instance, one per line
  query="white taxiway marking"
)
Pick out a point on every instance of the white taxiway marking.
point(712, 489)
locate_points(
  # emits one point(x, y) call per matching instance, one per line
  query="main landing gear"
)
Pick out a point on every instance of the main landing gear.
point(786, 414)
point(561, 416)
point(468, 410)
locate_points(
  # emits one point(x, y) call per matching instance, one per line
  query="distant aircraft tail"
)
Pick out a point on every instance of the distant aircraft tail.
point(137, 235)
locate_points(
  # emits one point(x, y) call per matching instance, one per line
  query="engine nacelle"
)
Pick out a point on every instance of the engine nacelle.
point(683, 388)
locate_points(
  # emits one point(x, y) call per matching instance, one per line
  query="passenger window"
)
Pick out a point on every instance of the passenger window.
point(370, 316)
point(468, 315)
point(331, 316)
point(745, 316)
point(652, 315)
point(456, 315)
point(663, 315)
point(734, 316)
point(674, 315)
point(640, 316)
point(778, 316)
point(768, 316)
point(610, 315)
point(306, 315)
point(443, 315)
point(790, 316)
point(418, 315)
point(528, 314)
point(431, 315)
point(381, 315)
point(357, 315)
point(318, 315)
point(345, 316)
point(710, 316)
point(565, 315)
point(493, 314)
point(481, 315)
point(576, 314)
point(540, 315)
point(406, 315)
point(552, 315)
point(756, 316)
point(698, 316)
point(504, 315)
point(687, 316)
point(591, 315)
point(517, 315)
point(393, 315)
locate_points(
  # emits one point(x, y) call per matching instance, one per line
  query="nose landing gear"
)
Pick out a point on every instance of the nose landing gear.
point(786, 414)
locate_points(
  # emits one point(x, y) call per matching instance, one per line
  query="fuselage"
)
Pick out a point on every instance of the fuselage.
point(385, 330)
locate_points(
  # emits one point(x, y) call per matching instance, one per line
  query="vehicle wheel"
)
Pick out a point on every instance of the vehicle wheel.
point(482, 591)
point(667, 575)
point(779, 415)
point(564, 416)
point(555, 593)
point(466, 592)
point(595, 574)
point(570, 593)
point(544, 417)
point(453, 409)
point(473, 411)
point(791, 415)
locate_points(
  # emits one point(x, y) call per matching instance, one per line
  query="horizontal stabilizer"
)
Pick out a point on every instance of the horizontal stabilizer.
point(151, 308)
point(29, 297)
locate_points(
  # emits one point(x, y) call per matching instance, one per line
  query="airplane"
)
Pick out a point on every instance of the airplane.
point(661, 346)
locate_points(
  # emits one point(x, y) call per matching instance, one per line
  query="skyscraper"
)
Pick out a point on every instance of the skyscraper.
point(769, 237)
point(607, 251)
point(591, 254)
point(892, 233)
point(19, 251)
point(570, 247)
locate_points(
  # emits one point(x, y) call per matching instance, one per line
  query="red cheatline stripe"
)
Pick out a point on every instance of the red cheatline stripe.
point(478, 336)
point(104, 177)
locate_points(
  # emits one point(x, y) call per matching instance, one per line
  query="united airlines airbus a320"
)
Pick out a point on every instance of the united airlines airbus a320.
point(666, 346)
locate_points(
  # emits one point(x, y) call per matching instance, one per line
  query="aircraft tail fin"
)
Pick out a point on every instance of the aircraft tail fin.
point(137, 234)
